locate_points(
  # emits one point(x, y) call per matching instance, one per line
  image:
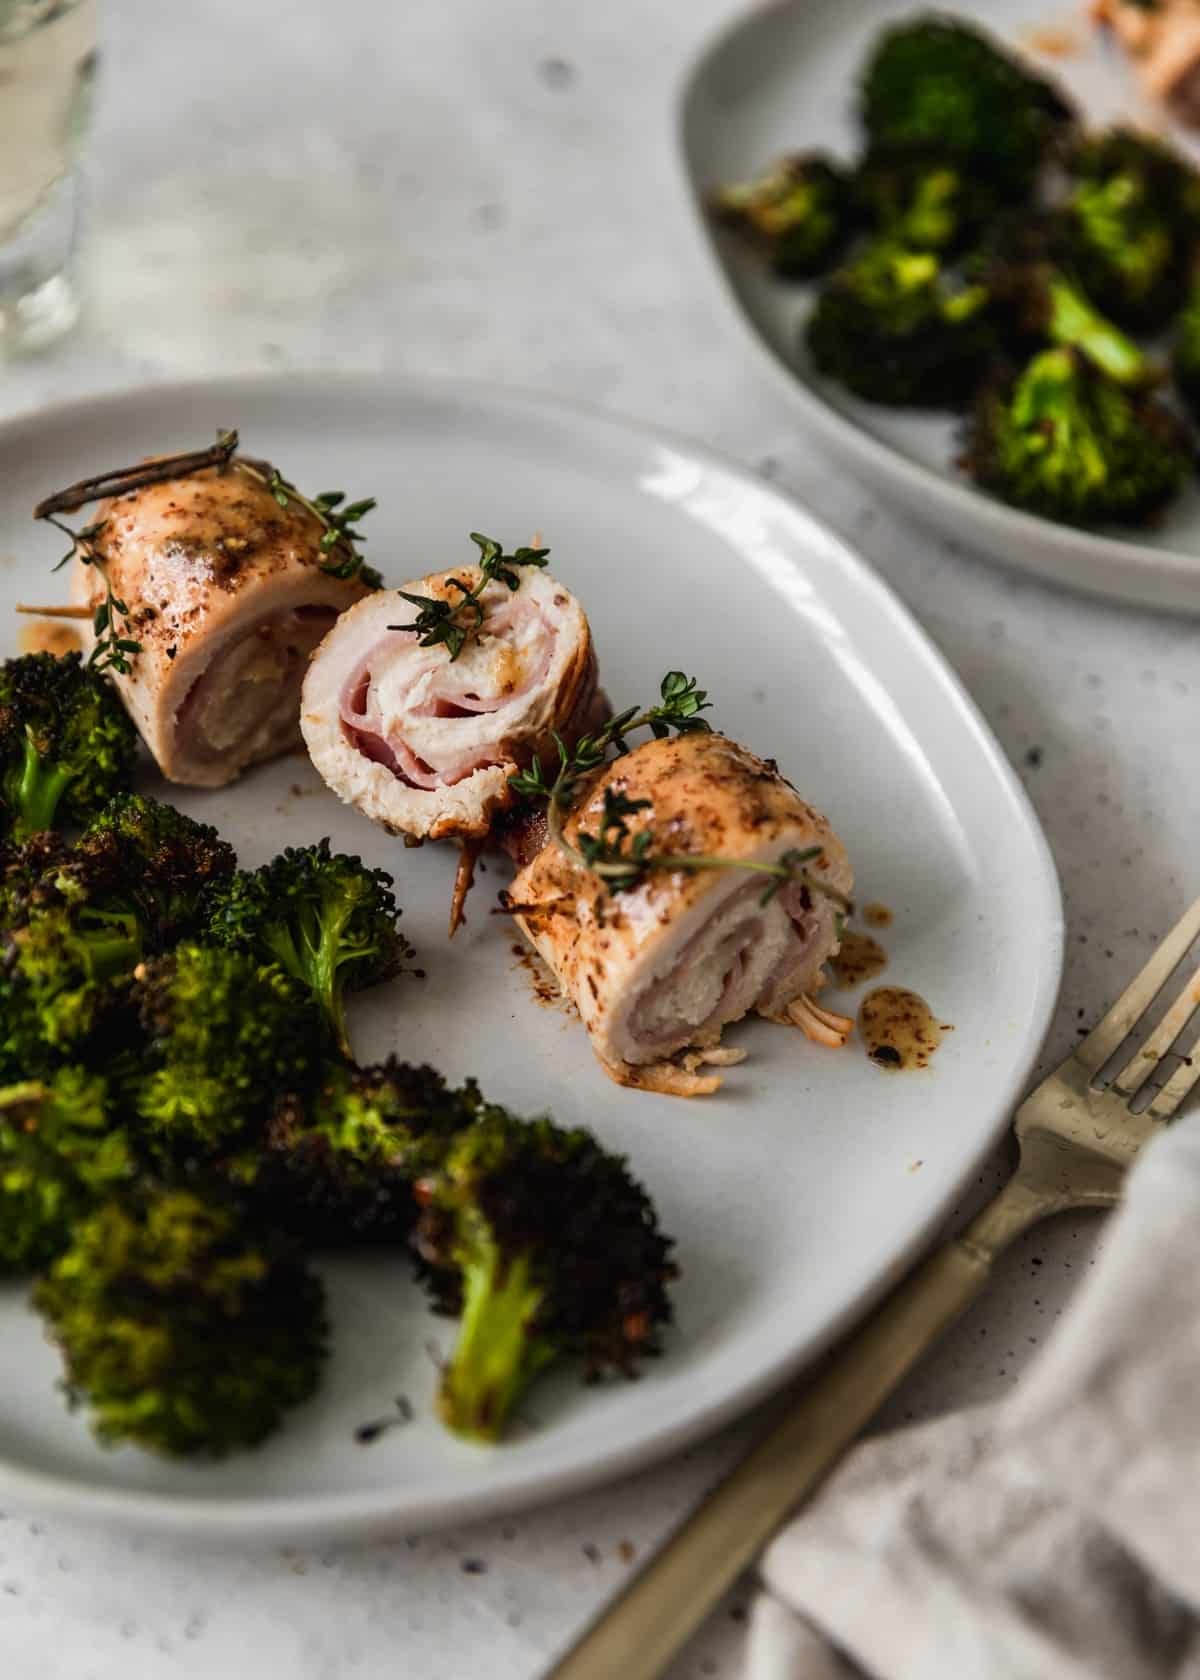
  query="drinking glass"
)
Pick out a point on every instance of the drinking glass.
point(47, 66)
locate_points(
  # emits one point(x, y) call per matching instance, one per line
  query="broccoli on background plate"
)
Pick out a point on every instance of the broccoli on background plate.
point(801, 211)
point(892, 328)
point(937, 81)
point(1062, 439)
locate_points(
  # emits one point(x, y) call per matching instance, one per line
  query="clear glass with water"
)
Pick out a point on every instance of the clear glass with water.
point(47, 66)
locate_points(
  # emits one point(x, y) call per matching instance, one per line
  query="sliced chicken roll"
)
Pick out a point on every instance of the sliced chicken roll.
point(228, 598)
point(1163, 40)
point(658, 970)
point(425, 744)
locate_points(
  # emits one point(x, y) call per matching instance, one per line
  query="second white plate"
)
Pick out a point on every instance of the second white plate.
point(799, 1191)
point(784, 78)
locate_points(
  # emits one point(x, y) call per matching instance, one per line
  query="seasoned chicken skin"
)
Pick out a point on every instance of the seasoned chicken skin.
point(228, 599)
point(425, 744)
point(663, 967)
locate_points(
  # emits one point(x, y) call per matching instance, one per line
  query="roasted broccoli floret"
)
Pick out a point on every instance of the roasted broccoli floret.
point(936, 82)
point(56, 966)
point(149, 858)
point(1133, 214)
point(1185, 356)
point(339, 1167)
point(183, 1328)
point(27, 873)
point(66, 743)
point(60, 1150)
point(551, 1249)
point(1063, 440)
point(1025, 269)
point(326, 919)
point(225, 1036)
point(892, 329)
point(801, 211)
point(924, 201)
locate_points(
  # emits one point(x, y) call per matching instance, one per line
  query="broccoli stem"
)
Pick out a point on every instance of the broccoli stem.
point(496, 1355)
point(313, 954)
point(39, 788)
point(1074, 322)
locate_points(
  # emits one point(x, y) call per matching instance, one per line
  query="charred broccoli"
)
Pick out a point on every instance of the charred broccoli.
point(1063, 440)
point(551, 1249)
point(27, 872)
point(801, 212)
point(66, 743)
point(326, 919)
point(150, 859)
point(340, 1168)
point(1133, 214)
point(1025, 271)
point(923, 200)
point(891, 329)
point(937, 82)
point(56, 966)
point(183, 1328)
point(1185, 357)
point(225, 1036)
point(59, 1152)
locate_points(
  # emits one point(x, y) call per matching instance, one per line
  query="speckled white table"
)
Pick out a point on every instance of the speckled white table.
point(489, 190)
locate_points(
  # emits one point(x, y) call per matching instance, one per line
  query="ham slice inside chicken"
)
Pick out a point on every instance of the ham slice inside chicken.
point(745, 956)
point(402, 703)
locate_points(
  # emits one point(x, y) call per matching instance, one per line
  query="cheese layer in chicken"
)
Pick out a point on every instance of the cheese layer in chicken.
point(425, 744)
point(228, 600)
point(666, 965)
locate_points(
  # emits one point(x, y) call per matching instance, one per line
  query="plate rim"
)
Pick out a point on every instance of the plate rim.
point(371, 1514)
point(1128, 568)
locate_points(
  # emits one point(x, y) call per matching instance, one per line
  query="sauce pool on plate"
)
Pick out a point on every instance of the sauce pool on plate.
point(899, 1029)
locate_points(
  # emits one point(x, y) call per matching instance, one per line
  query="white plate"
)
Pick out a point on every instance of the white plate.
point(800, 1191)
point(784, 78)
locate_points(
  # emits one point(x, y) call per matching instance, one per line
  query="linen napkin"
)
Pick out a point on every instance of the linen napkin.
point(1055, 1536)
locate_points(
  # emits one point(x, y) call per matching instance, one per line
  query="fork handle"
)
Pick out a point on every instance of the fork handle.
point(637, 1635)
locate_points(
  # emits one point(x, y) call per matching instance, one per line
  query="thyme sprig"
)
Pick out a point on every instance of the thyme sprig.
point(340, 537)
point(623, 859)
point(113, 647)
point(451, 623)
point(679, 709)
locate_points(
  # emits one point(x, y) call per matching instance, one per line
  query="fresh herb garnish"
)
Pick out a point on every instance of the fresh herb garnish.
point(619, 856)
point(341, 537)
point(623, 859)
point(679, 710)
point(440, 622)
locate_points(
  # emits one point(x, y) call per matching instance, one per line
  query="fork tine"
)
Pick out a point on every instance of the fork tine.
point(1142, 1063)
point(1177, 1087)
point(1108, 1035)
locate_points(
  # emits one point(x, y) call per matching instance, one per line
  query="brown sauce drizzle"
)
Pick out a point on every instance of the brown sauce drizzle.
point(877, 915)
point(899, 1029)
point(860, 958)
point(48, 635)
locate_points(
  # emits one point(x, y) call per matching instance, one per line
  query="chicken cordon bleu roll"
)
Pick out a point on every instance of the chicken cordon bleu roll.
point(733, 903)
point(228, 591)
point(422, 735)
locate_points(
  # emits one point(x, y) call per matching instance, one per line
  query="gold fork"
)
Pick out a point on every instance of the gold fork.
point(1077, 1141)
